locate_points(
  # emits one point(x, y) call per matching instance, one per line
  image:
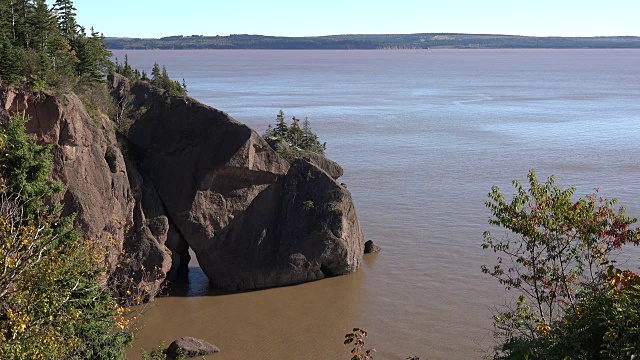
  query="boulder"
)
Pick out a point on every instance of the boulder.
point(371, 247)
point(190, 347)
point(302, 228)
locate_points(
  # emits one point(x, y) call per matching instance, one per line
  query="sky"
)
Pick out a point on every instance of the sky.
point(157, 18)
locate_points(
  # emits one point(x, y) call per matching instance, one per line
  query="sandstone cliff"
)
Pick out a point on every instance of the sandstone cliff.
point(185, 175)
point(87, 159)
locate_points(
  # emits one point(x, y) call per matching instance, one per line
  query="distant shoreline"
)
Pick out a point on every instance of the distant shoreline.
point(372, 42)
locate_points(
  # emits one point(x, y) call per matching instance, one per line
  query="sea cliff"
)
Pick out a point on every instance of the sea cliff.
point(171, 173)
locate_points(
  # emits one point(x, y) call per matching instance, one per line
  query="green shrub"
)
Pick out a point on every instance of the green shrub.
point(308, 205)
point(52, 303)
point(573, 302)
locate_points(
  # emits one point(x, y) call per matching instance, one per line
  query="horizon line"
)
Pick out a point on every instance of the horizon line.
point(379, 34)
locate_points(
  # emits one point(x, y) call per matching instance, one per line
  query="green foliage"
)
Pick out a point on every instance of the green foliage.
point(292, 141)
point(66, 15)
point(559, 257)
point(97, 100)
point(308, 205)
point(25, 166)
point(93, 56)
point(126, 70)
point(52, 303)
point(163, 81)
point(43, 48)
point(159, 78)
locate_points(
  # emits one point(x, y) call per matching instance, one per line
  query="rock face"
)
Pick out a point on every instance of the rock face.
point(234, 201)
point(88, 161)
point(329, 166)
point(190, 347)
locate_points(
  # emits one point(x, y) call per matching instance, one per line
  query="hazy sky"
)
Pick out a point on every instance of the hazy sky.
point(156, 18)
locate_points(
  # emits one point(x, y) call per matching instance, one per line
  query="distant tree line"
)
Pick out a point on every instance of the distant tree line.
point(374, 41)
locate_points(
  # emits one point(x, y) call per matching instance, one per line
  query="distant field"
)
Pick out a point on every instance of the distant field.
point(408, 41)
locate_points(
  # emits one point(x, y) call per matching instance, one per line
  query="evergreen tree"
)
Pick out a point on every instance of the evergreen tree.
point(94, 63)
point(8, 59)
point(66, 14)
point(155, 74)
point(19, 11)
point(281, 129)
point(5, 21)
point(294, 135)
point(292, 141)
point(42, 25)
point(53, 306)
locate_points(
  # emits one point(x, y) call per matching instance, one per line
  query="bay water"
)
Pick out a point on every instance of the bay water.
point(422, 136)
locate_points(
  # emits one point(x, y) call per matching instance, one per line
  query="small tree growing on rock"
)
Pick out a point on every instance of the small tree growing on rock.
point(292, 141)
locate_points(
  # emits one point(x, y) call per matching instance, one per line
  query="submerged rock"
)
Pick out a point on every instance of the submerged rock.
point(371, 247)
point(190, 347)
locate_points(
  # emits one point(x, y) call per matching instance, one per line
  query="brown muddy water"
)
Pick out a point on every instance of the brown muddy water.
point(422, 135)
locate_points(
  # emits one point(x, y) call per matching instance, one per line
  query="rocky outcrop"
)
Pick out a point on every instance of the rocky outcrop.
point(186, 175)
point(234, 201)
point(190, 347)
point(329, 166)
point(87, 159)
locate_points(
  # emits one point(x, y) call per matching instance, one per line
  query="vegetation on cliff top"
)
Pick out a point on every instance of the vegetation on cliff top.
point(158, 78)
point(45, 48)
point(55, 295)
point(42, 47)
point(293, 140)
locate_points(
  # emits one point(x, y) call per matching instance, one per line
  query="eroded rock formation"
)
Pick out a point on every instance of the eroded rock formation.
point(252, 219)
point(186, 175)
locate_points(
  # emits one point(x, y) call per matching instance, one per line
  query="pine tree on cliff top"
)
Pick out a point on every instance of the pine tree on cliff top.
point(66, 13)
